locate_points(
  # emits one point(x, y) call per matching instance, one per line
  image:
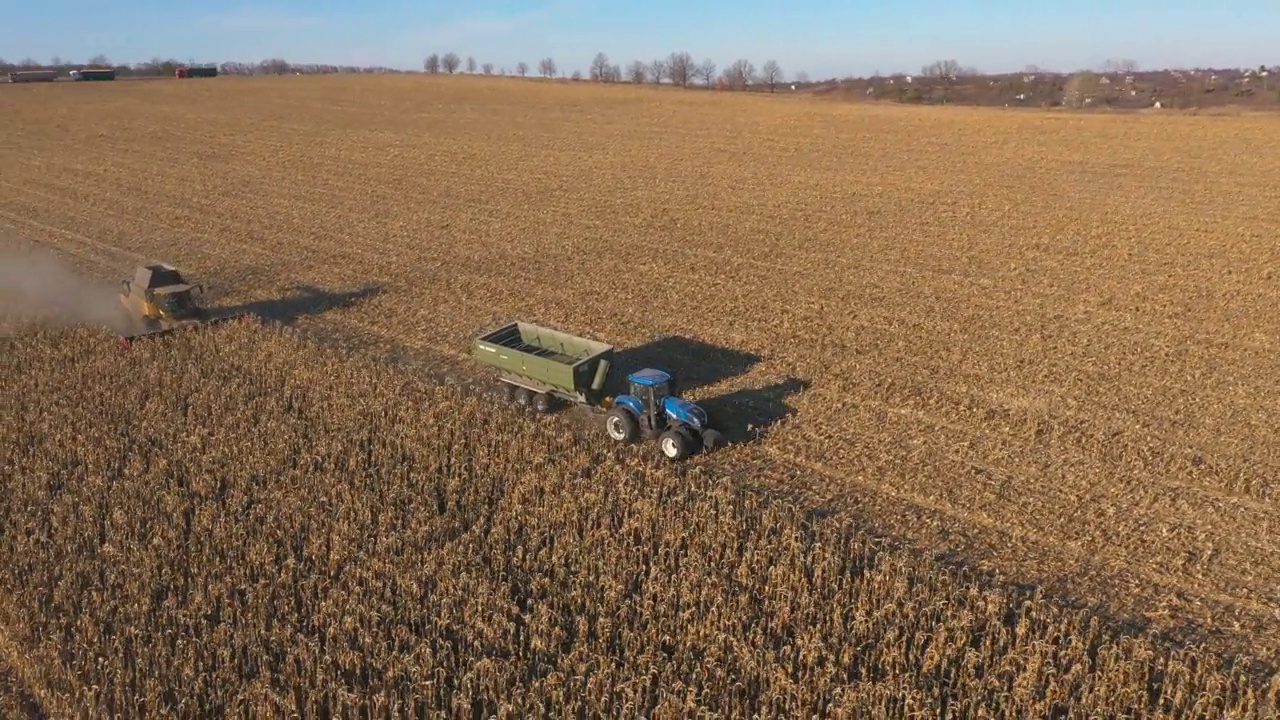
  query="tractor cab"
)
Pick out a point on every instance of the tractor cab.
point(652, 408)
point(651, 387)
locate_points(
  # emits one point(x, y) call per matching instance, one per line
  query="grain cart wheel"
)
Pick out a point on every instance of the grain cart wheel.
point(505, 391)
point(522, 397)
point(542, 402)
point(674, 444)
point(621, 425)
point(712, 440)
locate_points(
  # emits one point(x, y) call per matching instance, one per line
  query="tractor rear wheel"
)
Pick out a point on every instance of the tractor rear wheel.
point(621, 425)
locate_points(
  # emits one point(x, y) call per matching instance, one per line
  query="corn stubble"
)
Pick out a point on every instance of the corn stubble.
point(236, 520)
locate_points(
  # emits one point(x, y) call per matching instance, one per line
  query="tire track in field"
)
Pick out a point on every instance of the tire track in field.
point(134, 213)
point(995, 540)
point(97, 246)
point(1180, 520)
point(270, 250)
point(938, 399)
point(1068, 449)
point(220, 246)
point(82, 254)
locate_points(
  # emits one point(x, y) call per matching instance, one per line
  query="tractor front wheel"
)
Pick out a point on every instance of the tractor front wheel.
point(674, 445)
point(621, 425)
point(712, 440)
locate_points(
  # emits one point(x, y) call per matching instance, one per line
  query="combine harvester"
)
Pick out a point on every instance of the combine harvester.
point(537, 364)
point(161, 300)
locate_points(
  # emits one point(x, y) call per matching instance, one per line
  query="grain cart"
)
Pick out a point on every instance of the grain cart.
point(536, 364)
point(161, 299)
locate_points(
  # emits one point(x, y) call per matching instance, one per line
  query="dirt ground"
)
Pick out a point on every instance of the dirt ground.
point(1042, 344)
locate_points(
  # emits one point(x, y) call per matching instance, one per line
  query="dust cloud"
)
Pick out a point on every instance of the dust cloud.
point(37, 286)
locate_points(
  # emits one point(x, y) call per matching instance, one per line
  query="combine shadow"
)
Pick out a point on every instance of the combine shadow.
point(304, 301)
point(693, 363)
point(749, 414)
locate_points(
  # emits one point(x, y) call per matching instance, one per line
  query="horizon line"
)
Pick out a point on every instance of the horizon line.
point(1030, 68)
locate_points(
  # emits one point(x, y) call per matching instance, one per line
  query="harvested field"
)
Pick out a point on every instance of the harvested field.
point(1042, 344)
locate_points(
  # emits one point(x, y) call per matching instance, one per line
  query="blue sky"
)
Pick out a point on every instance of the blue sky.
point(821, 37)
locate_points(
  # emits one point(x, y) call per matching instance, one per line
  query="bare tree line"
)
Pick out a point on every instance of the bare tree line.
point(678, 68)
point(941, 81)
point(166, 67)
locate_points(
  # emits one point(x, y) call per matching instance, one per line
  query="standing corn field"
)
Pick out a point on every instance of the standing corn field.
point(237, 520)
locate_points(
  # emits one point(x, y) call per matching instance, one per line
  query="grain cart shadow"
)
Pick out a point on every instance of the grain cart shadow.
point(305, 301)
point(749, 414)
point(693, 363)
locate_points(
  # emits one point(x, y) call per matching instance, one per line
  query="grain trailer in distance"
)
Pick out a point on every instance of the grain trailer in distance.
point(93, 74)
point(27, 76)
point(195, 72)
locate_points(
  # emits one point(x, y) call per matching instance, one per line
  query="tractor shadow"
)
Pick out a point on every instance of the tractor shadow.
point(742, 415)
point(692, 363)
point(304, 301)
point(749, 414)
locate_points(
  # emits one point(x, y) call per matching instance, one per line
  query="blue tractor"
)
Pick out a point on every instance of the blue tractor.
point(651, 408)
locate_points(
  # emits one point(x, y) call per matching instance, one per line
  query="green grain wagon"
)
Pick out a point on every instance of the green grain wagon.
point(536, 364)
